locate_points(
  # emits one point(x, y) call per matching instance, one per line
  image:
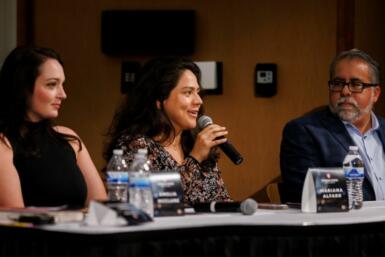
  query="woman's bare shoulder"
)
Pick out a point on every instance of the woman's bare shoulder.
point(65, 130)
point(4, 142)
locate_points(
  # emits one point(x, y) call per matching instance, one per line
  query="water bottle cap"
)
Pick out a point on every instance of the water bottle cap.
point(117, 151)
point(353, 148)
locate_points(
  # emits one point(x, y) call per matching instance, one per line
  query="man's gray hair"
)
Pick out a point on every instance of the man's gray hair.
point(356, 54)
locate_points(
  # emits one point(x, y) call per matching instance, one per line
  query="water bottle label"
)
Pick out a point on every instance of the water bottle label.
point(117, 177)
point(354, 173)
point(140, 182)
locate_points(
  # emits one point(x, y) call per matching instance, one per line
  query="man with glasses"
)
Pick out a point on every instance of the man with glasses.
point(322, 138)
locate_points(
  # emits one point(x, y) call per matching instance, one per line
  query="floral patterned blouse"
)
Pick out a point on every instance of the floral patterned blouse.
point(200, 183)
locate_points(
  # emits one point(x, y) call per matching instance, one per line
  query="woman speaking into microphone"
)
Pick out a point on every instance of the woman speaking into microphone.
point(160, 113)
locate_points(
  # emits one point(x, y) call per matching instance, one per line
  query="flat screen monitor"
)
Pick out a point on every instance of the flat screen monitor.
point(148, 32)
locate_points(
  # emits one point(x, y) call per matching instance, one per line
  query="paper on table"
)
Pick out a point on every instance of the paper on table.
point(101, 215)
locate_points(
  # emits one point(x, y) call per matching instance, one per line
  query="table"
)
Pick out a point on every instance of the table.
point(266, 233)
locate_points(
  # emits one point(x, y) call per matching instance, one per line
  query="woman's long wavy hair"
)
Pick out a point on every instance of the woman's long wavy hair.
point(17, 80)
point(139, 113)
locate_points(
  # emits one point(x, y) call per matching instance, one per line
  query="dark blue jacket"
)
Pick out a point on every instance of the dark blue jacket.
point(318, 139)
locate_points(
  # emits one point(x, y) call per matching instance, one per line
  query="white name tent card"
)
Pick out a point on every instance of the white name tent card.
point(324, 190)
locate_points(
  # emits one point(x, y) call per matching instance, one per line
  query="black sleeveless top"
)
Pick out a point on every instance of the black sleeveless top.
point(50, 175)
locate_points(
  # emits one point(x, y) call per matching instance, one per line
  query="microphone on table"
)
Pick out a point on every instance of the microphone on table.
point(247, 207)
point(226, 147)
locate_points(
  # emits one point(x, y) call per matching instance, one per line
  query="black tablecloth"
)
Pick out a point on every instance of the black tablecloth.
point(366, 239)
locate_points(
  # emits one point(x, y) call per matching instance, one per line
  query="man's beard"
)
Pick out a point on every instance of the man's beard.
point(349, 115)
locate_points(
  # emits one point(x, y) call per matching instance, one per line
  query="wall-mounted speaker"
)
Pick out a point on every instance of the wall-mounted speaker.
point(211, 77)
point(148, 32)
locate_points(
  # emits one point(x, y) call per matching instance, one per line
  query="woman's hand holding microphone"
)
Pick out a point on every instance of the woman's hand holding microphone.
point(209, 137)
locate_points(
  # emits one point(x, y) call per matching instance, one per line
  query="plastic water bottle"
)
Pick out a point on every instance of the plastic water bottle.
point(140, 191)
point(117, 177)
point(354, 175)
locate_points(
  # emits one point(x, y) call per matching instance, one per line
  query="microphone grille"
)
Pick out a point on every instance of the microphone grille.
point(248, 206)
point(204, 121)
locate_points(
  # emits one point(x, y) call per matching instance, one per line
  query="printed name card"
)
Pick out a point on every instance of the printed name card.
point(324, 190)
point(167, 192)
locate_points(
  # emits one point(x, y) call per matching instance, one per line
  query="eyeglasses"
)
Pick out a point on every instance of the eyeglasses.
point(354, 86)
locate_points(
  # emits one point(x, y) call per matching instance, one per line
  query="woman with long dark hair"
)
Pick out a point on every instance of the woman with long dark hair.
point(41, 164)
point(160, 113)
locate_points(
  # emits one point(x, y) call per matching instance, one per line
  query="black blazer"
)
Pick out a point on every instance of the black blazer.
point(319, 139)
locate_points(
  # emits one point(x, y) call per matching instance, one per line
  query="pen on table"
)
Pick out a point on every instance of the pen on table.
point(20, 224)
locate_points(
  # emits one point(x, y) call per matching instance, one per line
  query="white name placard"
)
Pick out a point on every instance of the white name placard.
point(324, 190)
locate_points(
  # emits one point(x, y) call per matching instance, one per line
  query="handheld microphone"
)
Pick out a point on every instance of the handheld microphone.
point(247, 207)
point(226, 147)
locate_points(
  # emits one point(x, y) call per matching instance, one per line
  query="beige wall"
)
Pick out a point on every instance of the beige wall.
point(300, 36)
